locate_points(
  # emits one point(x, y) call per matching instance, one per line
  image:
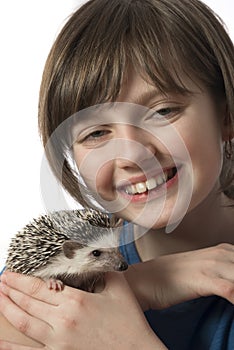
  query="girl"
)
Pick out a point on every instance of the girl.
point(156, 151)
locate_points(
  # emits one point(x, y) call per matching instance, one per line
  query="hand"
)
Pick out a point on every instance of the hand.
point(172, 279)
point(73, 319)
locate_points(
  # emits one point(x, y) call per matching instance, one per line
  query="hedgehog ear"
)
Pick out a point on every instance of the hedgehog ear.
point(70, 247)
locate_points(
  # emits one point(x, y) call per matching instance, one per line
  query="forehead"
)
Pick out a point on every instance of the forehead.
point(137, 88)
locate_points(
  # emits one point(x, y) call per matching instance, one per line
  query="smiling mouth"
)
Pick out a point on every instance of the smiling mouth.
point(150, 184)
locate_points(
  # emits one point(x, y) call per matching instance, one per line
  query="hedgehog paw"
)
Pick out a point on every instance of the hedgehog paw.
point(54, 284)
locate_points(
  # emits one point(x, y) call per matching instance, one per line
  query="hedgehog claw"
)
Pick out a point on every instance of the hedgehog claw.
point(54, 284)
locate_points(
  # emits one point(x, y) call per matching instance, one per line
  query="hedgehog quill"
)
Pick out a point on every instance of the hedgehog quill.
point(73, 248)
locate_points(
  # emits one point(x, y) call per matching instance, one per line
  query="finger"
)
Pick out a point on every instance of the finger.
point(223, 288)
point(32, 286)
point(115, 281)
point(11, 346)
point(112, 278)
point(223, 251)
point(223, 270)
point(23, 322)
point(33, 307)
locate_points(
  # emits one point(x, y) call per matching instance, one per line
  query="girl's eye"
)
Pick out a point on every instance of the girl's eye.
point(166, 113)
point(95, 136)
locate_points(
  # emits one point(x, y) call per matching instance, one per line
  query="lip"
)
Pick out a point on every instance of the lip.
point(142, 178)
point(154, 193)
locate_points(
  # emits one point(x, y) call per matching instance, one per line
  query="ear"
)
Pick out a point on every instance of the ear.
point(70, 247)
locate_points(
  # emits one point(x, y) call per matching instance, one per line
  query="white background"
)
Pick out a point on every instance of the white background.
point(27, 31)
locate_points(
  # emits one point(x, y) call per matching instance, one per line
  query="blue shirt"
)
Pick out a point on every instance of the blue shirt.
point(205, 323)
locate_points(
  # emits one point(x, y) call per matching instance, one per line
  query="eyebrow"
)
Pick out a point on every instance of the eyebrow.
point(146, 96)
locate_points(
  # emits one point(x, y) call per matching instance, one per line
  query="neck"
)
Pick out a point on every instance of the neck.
point(210, 223)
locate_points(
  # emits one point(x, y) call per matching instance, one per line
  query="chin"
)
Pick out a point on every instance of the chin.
point(151, 216)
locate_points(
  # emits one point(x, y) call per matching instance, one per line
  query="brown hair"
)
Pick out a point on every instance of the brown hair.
point(161, 38)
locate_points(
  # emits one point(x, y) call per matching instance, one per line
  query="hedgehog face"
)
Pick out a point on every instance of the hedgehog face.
point(86, 259)
point(107, 260)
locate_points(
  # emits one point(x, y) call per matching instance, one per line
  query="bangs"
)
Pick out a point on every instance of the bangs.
point(92, 55)
point(158, 44)
point(127, 43)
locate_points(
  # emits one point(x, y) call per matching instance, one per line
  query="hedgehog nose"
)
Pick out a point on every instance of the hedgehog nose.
point(122, 266)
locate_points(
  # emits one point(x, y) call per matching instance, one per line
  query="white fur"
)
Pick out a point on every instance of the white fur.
point(110, 240)
point(83, 262)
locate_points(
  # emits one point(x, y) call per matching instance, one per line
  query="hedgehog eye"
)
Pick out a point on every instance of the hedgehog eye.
point(96, 253)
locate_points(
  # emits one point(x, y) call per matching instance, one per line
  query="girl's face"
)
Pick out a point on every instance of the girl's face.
point(151, 157)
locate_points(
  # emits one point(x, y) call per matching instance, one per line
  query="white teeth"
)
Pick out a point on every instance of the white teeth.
point(150, 184)
point(131, 189)
point(141, 187)
point(160, 180)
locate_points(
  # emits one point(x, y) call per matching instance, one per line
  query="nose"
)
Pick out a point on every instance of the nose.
point(122, 266)
point(134, 146)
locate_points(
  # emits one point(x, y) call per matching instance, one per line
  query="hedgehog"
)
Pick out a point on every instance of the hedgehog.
point(68, 247)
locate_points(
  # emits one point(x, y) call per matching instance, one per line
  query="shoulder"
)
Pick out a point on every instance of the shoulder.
point(127, 244)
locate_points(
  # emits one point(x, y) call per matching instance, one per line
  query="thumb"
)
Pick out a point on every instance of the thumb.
point(118, 288)
point(115, 281)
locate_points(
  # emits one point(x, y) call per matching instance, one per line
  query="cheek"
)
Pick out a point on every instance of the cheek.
point(95, 169)
point(79, 155)
point(204, 146)
point(207, 164)
point(104, 181)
